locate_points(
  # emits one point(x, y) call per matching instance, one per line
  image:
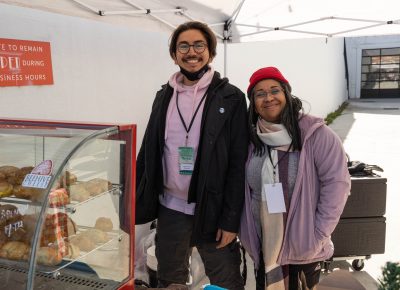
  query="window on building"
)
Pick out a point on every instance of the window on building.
point(380, 73)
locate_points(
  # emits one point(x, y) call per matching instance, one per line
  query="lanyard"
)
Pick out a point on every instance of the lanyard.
point(279, 159)
point(194, 115)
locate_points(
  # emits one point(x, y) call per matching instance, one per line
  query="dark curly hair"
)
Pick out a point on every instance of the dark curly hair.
point(203, 28)
point(289, 118)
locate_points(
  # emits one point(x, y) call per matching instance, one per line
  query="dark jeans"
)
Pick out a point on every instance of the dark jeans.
point(174, 229)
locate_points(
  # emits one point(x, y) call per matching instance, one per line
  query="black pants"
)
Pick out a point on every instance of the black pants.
point(304, 276)
point(174, 229)
point(301, 276)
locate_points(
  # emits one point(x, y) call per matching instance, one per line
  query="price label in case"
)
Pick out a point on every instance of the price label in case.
point(36, 180)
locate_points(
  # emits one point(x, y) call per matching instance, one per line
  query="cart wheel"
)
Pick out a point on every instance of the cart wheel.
point(358, 265)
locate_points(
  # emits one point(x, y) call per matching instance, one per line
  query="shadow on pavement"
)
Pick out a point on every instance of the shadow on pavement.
point(362, 277)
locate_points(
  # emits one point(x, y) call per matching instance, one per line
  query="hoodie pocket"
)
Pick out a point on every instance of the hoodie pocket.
point(307, 248)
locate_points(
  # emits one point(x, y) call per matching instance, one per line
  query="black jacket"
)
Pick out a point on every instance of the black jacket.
point(217, 184)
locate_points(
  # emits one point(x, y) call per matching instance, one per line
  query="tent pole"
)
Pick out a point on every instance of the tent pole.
point(141, 11)
point(227, 27)
point(154, 16)
point(225, 56)
point(87, 6)
point(235, 13)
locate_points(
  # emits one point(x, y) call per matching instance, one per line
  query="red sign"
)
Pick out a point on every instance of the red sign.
point(25, 63)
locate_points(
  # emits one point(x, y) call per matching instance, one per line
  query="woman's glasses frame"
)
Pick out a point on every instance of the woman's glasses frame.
point(261, 94)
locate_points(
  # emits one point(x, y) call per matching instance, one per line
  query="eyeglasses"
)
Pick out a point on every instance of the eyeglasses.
point(263, 94)
point(198, 47)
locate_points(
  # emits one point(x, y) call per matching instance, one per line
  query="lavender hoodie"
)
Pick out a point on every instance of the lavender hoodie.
point(319, 196)
point(176, 186)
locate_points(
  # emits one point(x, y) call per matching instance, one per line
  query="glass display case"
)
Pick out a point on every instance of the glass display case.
point(66, 205)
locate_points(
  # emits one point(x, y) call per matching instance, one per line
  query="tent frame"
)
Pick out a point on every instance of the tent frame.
point(228, 24)
point(227, 35)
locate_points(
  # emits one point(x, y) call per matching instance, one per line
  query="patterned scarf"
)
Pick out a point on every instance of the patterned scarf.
point(276, 137)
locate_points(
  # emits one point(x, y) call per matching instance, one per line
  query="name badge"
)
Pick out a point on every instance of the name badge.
point(273, 195)
point(186, 160)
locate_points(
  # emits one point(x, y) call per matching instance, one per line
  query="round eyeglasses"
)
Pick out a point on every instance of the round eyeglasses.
point(198, 47)
point(263, 94)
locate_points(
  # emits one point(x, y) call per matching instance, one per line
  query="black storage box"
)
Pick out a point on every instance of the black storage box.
point(367, 197)
point(359, 237)
point(361, 229)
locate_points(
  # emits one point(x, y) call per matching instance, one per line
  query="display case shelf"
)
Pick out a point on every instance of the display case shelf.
point(73, 205)
point(50, 237)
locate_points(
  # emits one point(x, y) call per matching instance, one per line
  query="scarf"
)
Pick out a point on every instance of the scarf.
point(276, 137)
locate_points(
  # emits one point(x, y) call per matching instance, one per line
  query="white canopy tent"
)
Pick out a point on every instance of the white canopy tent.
point(241, 20)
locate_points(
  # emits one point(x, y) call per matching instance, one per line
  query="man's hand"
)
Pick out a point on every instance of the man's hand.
point(224, 238)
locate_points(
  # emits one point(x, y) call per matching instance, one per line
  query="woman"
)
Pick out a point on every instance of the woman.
point(297, 186)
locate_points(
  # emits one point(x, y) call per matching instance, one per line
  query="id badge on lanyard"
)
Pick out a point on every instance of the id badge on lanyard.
point(273, 196)
point(186, 153)
point(186, 160)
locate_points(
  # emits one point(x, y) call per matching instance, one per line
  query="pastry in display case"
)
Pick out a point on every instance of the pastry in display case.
point(66, 205)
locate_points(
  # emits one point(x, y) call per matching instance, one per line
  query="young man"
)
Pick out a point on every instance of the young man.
point(191, 165)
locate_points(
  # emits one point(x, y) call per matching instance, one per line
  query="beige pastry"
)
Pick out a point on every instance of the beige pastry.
point(8, 170)
point(84, 243)
point(15, 251)
point(97, 236)
point(6, 189)
point(67, 179)
point(104, 224)
point(48, 256)
point(73, 251)
point(97, 186)
point(18, 176)
point(78, 192)
point(20, 191)
point(30, 193)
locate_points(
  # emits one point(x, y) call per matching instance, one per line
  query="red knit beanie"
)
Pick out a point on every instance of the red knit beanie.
point(269, 72)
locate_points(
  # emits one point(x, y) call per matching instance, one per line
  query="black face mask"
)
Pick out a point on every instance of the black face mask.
point(194, 76)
